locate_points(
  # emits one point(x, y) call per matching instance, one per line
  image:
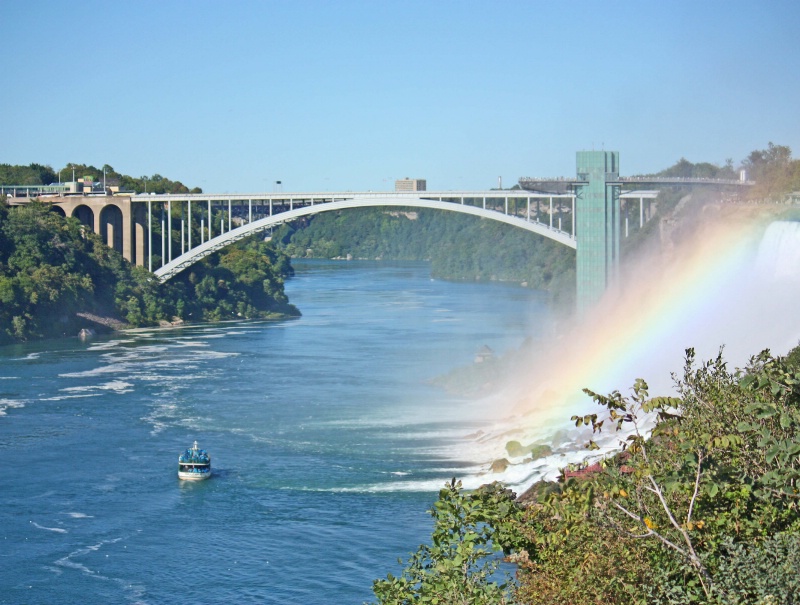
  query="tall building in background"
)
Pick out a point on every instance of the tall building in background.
point(598, 224)
point(410, 185)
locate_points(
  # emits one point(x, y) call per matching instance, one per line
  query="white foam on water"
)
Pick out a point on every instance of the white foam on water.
point(69, 563)
point(79, 515)
point(117, 386)
point(134, 589)
point(63, 397)
point(98, 371)
point(157, 426)
point(432, 485)
point(59, 530)
point(11, 403)
point(109, 344)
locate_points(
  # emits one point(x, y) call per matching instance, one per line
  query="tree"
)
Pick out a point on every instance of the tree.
point(33, 174)
point(774, 171)
point(460, 566)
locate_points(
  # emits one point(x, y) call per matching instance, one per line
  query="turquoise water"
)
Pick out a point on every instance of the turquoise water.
point(327, 440)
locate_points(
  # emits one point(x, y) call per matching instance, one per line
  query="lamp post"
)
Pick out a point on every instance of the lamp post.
point(144, 178)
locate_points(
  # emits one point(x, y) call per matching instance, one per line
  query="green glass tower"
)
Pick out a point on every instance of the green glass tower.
point(598, 224)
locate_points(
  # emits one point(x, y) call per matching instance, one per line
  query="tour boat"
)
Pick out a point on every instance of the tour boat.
point(194, 464)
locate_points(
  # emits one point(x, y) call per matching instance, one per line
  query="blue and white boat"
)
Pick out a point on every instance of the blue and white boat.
point(194, 464)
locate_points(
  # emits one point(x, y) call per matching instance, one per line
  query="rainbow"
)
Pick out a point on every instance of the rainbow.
point(704, 292)
point(666, 302)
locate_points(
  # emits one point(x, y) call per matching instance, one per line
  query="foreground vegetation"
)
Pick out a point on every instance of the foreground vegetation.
point(57, 277)
point(703, 509)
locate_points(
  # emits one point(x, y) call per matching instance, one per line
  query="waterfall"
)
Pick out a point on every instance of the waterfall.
point(779, 252)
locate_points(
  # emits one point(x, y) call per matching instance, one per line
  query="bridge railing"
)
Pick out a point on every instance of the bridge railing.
point(678, 180)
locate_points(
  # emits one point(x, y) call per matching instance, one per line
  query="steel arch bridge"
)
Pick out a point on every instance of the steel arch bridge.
point(300, 205)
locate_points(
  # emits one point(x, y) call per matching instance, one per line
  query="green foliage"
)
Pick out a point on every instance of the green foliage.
point(793, 357)
point(701, 506)
point(774, 171)
point(242, 281)
point(763, 572)
point(683, 168)
point(150, 184)
point(460, 566)
point(44, 270)
point(707, 489)
point(52, 269)
point(577, 562)
point(34, 174)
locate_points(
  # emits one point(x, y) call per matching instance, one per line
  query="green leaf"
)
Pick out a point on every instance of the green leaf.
point(773, 452)
point(747, 381)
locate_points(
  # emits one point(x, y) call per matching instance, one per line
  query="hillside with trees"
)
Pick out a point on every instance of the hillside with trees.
point(458, 247)
point(56, 277)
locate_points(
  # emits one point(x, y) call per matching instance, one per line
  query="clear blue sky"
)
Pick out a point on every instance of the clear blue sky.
point(345, 95)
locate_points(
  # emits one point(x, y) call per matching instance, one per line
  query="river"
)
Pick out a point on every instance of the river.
point(327, 437)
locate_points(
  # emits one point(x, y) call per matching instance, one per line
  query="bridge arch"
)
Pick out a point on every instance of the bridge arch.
point(85, 215)
point(111, 226)
point(139, 244)
point(183, 261)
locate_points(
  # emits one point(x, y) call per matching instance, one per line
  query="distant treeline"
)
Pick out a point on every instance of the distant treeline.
point(773, 169)
point(37, 174)
point(458, 247)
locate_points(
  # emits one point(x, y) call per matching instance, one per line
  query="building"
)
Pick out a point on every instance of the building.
point(408, 184)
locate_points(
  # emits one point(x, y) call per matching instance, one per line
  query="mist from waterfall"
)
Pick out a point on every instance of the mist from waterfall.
point(732, 284)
